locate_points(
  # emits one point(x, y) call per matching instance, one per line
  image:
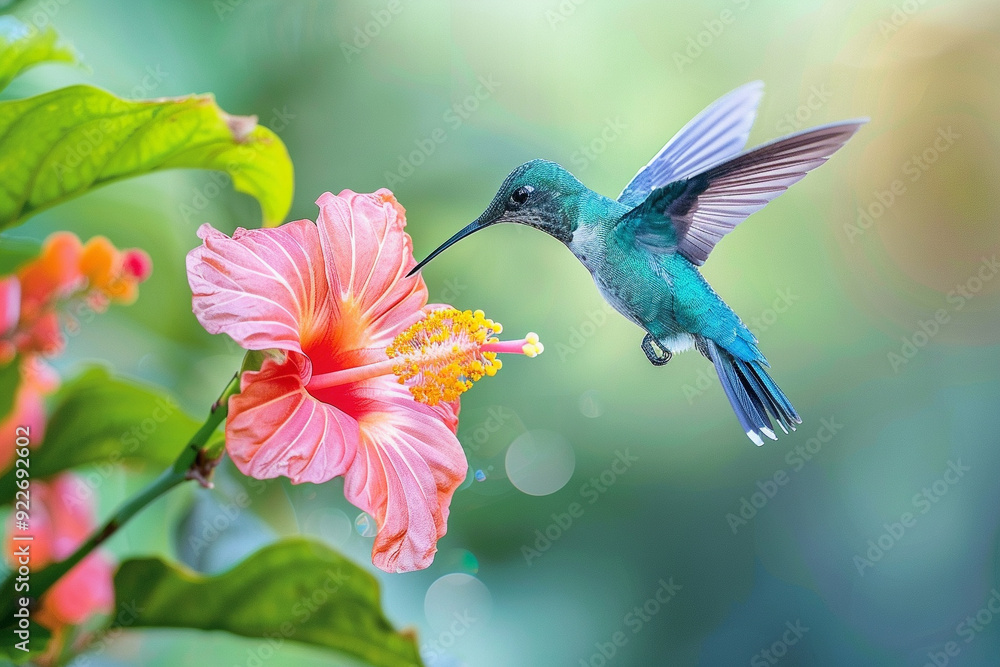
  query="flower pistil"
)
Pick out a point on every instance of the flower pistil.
point(440, 356)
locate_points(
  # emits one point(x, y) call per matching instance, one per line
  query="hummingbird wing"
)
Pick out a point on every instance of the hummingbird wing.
point(693, 215)
point(718, 132)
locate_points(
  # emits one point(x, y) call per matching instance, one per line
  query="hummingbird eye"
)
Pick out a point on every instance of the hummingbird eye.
point(519, 196)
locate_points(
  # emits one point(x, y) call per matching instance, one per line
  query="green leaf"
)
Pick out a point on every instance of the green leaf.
point(63, 143)
point(39, 637)
point(23, 46)
point(15, 252)
point(294, 590)
point(10, 378)
point(106, 421)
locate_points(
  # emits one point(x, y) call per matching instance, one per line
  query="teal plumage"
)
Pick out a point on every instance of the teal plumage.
point(643, 249)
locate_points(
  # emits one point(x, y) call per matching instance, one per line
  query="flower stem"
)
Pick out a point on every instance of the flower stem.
point(190, 464)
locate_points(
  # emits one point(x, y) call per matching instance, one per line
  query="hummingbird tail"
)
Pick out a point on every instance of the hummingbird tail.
point(752, 393)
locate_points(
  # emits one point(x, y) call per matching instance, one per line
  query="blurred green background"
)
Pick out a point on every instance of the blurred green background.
point(599, 86)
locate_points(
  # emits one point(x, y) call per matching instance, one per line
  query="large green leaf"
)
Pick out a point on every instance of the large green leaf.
point(293, 590)
point(23, 46)
point(103, 421)
point(63, 143)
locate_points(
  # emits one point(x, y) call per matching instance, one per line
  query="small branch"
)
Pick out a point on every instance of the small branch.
point(194, 462)
point(201, 470)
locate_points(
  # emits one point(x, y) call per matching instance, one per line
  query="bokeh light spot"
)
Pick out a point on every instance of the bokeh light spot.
point(540, 462)
point(365, 525)
point(329, 524)
point(456, 595)
point(458, 560)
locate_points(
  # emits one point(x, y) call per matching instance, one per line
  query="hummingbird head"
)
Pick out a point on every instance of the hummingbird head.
point(539, 194)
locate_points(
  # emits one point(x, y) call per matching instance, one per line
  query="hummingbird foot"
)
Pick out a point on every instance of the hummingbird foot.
point(649, 346)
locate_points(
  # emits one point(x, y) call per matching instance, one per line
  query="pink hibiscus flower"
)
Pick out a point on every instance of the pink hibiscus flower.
point(61, 518)
point(366, 376)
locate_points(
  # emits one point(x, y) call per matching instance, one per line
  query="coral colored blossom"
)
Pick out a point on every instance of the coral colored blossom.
point(61, 518)
point(47, 295)
point(330, 298)
point(67, 281)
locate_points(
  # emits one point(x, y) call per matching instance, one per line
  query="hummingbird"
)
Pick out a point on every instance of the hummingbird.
point(644, 248)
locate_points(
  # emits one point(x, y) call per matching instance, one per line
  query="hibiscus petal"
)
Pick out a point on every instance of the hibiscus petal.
point(367, 257)
point(447, 412)
point(266, 288)
point(408, 466)
point(275, 428)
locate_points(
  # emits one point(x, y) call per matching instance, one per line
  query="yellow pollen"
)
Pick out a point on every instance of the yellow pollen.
point(441, 355)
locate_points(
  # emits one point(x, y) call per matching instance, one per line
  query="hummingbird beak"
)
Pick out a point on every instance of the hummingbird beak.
point(475, 226)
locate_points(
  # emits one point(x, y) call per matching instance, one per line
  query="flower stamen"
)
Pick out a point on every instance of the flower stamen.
point(442, 355)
